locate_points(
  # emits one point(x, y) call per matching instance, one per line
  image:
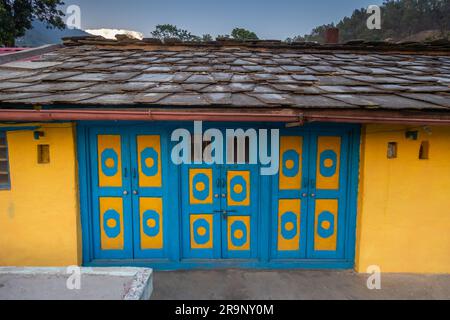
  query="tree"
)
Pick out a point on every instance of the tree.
point(207, 38)
point(243, 34)
point(16, 17)
point(169, 31)
point(400, 19)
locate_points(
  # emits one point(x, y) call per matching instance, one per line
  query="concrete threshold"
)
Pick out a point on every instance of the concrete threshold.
point(75, 283)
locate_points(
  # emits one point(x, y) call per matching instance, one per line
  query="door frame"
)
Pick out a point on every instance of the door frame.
point(173, 260)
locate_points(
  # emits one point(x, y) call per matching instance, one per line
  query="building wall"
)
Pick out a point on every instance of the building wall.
point(39, 220)
point(403, 215)
point(404, 203)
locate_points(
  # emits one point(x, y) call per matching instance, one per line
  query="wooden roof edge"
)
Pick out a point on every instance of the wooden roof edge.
point(441, 46)
point(28, 53)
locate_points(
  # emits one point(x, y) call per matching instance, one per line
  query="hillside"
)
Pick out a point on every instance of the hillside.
point(40, 35)
point(401, 20)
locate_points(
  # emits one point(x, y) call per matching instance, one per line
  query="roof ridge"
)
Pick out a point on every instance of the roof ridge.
point(439, 45)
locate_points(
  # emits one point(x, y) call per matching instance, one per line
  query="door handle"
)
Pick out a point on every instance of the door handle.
point(125, 192)
point(135, 192)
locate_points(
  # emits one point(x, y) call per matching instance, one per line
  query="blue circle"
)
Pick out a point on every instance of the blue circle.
point(294, 157)
point(111, 215)
point(150, 215)
point(149, 153)
point(328, 171)
point(201, 239)
point(325, 216)
point(238, 225)
point(288, 217)
point(106, 155)
point(238, 197)
point(201, 194)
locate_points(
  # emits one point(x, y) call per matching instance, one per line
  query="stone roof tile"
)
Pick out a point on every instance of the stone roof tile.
point(232, 74)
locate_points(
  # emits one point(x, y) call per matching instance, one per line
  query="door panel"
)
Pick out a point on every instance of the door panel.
point(240, 211)
point(148, 158)
point(112, 224)
point(326, 227)
point(289, 217)
point(201, 212)
point(289, 224)
point(149, 161)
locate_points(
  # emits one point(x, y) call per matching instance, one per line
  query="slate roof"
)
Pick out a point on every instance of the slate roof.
point(97, 72)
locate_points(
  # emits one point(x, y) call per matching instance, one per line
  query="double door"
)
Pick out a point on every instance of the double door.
point(127, 188)
point(310, 196)
point(220, 211)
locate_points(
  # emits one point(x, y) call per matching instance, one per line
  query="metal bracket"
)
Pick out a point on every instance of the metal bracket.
point(299, 123)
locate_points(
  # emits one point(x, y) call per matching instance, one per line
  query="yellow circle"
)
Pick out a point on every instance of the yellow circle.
point(238, 189)
point(289, 226)
point(151, 223)
point(238, 234)
point(201, 231)
point(111, 223)
point(328, 163)
point(326, 225)
point(149, 162)
point(200, 186)
point(290, 164)
point(109, 163)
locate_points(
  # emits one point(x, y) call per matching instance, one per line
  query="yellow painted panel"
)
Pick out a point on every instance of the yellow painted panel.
point(201, 186)
point(238, 189)
point(242, 235)
point(293, 182)
point(328, 243)
point(107, 242)
point(153, 238)
point(109, 143)
point(289, 243)
point(153, 176)
point(39, 216)
point(403, 214)
point(327, 144)
point(206, 242)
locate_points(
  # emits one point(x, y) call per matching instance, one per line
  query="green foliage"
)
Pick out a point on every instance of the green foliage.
point(243, 34)
point(169, 31)
point(399, 20)
point(16, 17)
point(207, 38)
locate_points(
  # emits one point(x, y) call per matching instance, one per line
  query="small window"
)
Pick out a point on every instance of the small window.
point(392, 150)
point(204, 145)
point(424, 152)
point(246, 156)
point(43, 153)
point(4, 165)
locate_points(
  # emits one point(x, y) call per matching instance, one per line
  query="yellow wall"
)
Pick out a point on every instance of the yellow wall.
point(404, 204)
point(39, 220)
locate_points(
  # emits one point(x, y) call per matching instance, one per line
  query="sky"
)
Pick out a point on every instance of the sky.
point(269, 19)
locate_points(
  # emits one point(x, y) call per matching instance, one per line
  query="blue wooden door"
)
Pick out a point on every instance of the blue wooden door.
point(148, 151)
point(111, 198)
point(128, 166)
point(219, 210)
point(240, 189)
point(201, 219)
point(327, 195)
point(290, 190)
point(310, 196)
